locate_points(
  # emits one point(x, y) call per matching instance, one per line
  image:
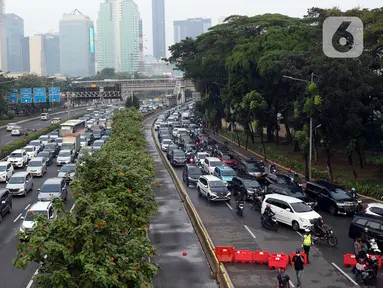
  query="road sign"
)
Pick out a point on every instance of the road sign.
point(54, 94)
point(39, 95)
point(13, 96)
point(26, 95)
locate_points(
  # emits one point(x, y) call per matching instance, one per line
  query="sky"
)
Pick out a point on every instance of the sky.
point(42, 16)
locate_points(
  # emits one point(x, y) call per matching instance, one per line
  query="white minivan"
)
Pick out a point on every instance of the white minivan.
point(290, 211)
point(45, 116)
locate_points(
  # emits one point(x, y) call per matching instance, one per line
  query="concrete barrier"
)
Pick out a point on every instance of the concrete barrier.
point(219, 270)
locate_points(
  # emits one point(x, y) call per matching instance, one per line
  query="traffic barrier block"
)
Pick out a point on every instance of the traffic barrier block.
point(278, 260)
point(243, 256)
point(261, 257)
point(225, 253)
point(291, 256)
point(349, 260)
point(378, 258)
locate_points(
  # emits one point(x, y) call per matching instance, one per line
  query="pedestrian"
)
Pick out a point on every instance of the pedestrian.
point(298, 267)
point(359, 268)
point(358, 248)
point(307, 243)
point(283, 280)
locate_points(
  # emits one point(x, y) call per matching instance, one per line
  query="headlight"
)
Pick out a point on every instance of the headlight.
point(340, 204)
point(21, 189)
point(212, 193)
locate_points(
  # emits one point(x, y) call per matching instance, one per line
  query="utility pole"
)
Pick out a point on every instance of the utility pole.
point(311, 136)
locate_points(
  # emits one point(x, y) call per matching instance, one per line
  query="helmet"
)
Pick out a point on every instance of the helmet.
point(307, 230)
point(298, 252)
point(365, 229)
point(353, 189)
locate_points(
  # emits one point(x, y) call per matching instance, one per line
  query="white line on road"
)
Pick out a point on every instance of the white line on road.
point(17, 218)
point(9, 142)
point(299, 233)
point(71, 209)
point(291, 284)
point(228, 205)
point(27, 207)
point(248, 230)
point(345, 274)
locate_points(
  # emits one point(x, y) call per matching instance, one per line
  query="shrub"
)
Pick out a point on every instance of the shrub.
point(103, 242)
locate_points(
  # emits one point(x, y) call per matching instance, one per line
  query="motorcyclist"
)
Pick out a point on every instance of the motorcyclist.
point(241, 197)
point(365, 238)
point(353, 193)
point(268, 213)
point(272, 168)
point(318, 228)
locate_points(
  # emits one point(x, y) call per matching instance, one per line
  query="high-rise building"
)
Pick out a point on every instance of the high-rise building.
point(158, 19)
point(118, 36)
point(52, 53)
point(33, 55)
point(14, 26)
point(190, 28)
point(3, 39)
point(141, 46)
point(77, 45)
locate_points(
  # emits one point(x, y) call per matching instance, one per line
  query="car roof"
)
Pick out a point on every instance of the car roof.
point(212, 159)
point(40, 206)
point(378, 205)
point(224, 168)
point(211, 178)
point(20, 174)
point(37, 159)
point(54, 180)
point(368, 216)
point(5, 163)
point(285, 198)
point(191, 165)
point(18, 151)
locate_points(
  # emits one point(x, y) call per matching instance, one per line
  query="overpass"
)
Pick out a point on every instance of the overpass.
point(124, 88)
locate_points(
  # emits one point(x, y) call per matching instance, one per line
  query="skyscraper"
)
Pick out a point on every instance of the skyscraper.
point(14, 26)
point(118, 36)
point(52, 53)
point(141, 67)
point(3, 39)
point(77, 53)
point(158, 19)
point(191, 28)
point(33, 55)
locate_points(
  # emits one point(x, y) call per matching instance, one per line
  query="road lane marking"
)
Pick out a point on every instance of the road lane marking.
point(291, 284)
point(344, 274)
point(17, 218)
point(30, 283)
point(248, 230)
point(299, 233)
point(228, 205)
point(27, 207)
point(71, 209)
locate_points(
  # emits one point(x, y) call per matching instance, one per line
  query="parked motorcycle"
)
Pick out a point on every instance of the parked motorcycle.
point(271, 224)
point(240, 206)
point(328, 237)
point(374, 248)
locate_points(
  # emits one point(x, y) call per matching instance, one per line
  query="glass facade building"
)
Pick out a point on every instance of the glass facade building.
point(14, 27)
point(158, 21)
point(190, 28)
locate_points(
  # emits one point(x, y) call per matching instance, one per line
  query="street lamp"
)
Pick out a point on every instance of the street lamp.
point(53, 79)
point(311, 119)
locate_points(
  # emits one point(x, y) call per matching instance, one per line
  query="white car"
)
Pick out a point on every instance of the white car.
point(174, 132)
point(375, 209)
point(45, 139)
point(10, 126)
point(165, 144)
point(37, 144)
point(157, 125)
point(6, 171)
point(213, 188)
point(291, 211)
point(55, 121)
point(18, 158)
point(39, 208)
point(17, 131)
point(209, 164)
point(31, 151)
point(45, 116)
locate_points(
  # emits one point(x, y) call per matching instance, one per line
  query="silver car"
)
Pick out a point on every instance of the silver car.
point(97, 145)
point(67, 172)
point(37, 166)
point(65, 157)
point(20, 183)
point(53, 187)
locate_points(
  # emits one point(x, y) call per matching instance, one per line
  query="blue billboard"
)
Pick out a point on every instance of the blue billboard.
point(26, 95)
point(54, 94)
point(91, 40)
point(39, 95)
point(13, 96)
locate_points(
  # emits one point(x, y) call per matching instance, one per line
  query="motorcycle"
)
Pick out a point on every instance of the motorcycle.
point(370, 273)
point(374, 248)
point(328, 237)
point(273, 169)
point(271, 223)
point(257, 202)
point(239, 208)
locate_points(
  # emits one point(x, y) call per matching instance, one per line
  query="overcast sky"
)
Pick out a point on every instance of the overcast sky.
point(41, 16)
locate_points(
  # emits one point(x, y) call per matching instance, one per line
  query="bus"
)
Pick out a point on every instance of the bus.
point(72, 127)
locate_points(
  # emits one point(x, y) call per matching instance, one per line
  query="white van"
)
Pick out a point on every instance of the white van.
point(45, 116)
point(290, 211)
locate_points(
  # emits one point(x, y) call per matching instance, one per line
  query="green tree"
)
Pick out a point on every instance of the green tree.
point(132, 102)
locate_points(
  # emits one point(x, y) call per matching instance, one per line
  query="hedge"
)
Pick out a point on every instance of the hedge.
point(20, 143)
point(368, 188)
point(103, 242)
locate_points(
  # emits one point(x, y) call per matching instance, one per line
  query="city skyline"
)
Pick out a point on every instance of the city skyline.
point(159, 31)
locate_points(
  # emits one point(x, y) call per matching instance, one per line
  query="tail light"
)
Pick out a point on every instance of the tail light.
point(364, 210)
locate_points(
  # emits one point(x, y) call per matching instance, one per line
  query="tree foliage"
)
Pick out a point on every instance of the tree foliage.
point(103, 241)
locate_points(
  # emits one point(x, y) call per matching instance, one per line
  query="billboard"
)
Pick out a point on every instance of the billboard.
point(91, 40)
point(39, 95)
point(13, 96)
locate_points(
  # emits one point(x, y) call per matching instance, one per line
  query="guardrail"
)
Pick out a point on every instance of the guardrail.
point(219, 271)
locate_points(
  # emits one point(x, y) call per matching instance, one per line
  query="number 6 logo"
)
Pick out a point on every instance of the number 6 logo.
point(343, 37)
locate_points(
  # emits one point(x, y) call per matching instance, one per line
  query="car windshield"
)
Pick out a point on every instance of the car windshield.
point(64, 154)
point(227, 157)
point(88, 134)
point(34, 143)
point(253, 167)
point(301, 207)
point(16, 180)
point(51, 188)
point(67, 168)
point(202, 155)
point(16, 155)
point(30, 215)
point(34, 163)
point(282, 179)
point(340, 194)
point(59, 140)
point(179, 154)
point(297, 193)
point(3, 168)
point(54, 133)
point(97, 144)
point(43, 138)
point(195, 171)
point(217, 184)
point(97, 133)
point(251, 183)
point(215, 163)
point(167, 141)
point(228, 172)
point(29, 149)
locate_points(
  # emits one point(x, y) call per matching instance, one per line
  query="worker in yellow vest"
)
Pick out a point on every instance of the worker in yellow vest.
point(307, 243)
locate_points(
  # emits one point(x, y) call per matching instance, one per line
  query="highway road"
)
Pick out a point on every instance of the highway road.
point(6, 138)
point(9, 275)
point(172, 234)
point(227, 229)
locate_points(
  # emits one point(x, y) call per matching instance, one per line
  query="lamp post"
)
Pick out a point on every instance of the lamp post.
point(311, 119)
point(53, 79)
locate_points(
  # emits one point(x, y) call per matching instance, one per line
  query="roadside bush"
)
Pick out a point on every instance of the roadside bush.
point(103, 242)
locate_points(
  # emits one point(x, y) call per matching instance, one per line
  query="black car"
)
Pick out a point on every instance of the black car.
point(373, 223)
point(48, 155)
point(291, 190)
point(334, 198)
point(251, 168)
point(283, 178)
point(251, 186)
point(177, 157)
point(5, 203)
point(53, 147)
point(190, 174)
point(171, 147)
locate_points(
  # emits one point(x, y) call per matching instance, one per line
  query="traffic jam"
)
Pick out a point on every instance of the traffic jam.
point(315, 210)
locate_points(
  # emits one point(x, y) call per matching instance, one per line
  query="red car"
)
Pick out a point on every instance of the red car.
point(227, 159)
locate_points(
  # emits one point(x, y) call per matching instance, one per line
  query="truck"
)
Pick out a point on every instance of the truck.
point(72, 142)
point(185, 119)
point(170, 100)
